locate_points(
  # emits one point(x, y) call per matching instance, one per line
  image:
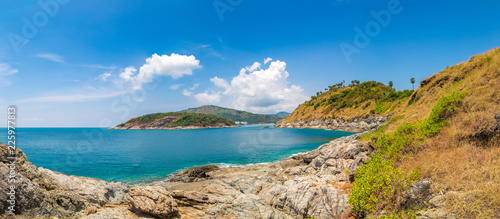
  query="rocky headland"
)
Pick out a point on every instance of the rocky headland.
point(361, 124)
point(176, 120)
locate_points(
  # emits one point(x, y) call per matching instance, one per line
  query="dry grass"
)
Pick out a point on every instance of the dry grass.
point(466, 154)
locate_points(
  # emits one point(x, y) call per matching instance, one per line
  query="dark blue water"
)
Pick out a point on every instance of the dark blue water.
point(143, 156)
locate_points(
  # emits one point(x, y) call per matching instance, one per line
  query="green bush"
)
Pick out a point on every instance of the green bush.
point(379, 183)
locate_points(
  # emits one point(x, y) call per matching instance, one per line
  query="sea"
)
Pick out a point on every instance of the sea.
point(140, 157)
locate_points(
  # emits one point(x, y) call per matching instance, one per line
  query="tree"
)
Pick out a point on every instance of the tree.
point(354, 82)
point(412, 80)
point(391, 84)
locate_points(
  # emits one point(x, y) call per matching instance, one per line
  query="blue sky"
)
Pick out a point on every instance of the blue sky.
point(93, 63)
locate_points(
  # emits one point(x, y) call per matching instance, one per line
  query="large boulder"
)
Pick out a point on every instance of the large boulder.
point(152, 200)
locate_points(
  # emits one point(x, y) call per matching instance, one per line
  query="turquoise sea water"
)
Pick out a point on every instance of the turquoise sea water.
point(143, 156)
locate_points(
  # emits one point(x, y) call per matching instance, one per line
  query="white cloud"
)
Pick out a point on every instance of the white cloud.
point(222, 83)
point(127, 74)
point(175, 86)
point(103, 77)
point(6, 70)
point(194, 86)
point(262, 90)
point(51, 57)
point(266, 60)
point(175, 66)
point(253, 67)
point(208, 97)
point(186, 93)
point(111, 67)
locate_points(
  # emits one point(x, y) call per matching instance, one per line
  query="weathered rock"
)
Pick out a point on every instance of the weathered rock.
point(194, 174)
point(152, 200)
point(41, 192)
point(367, 123)
point(418, 195)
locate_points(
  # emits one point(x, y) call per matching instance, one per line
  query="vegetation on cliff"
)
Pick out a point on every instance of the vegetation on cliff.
point(448, 132)
point(356, 100)
point(234, 115)
point(177, 119)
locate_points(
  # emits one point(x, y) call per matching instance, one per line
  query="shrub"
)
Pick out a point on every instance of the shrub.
point(379, 184)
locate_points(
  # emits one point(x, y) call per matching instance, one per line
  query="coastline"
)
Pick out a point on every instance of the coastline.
point(273, 189)
point(186, 189)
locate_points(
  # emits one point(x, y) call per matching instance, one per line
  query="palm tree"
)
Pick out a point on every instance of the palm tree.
point(412, 80)
point(391, 84)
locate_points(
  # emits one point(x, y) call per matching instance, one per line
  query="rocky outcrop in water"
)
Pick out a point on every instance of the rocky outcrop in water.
point(367, 123)
point(315, 184)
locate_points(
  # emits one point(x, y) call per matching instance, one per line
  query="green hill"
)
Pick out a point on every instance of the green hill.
point(234, 115)
point(176, 119)
point(280, 114)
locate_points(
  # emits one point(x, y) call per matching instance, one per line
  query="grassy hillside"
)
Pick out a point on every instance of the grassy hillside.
point(234, 115)
point(177, 119)
point(355, 100)
point(448, 131)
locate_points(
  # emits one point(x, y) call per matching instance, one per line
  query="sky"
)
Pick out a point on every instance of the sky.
point(67, 63)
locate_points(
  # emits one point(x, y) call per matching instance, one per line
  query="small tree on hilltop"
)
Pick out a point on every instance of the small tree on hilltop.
point(391, 84)
point(412, 80)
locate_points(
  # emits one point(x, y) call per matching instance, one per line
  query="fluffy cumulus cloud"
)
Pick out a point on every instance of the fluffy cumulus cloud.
point(174, 65)
point(258, 89)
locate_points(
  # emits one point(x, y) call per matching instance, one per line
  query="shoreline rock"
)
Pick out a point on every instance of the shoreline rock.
point(367, 123)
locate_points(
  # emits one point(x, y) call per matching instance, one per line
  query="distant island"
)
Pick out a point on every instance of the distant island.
point(238, 115)
point(176, 120)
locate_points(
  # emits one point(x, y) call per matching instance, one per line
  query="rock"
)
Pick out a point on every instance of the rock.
point(437, 201)
point(367, 123)
point(194, 174)
point(418, 195)
point(152, 200)
point(41, 192)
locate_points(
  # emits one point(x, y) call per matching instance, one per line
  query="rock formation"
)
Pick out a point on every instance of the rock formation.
point(367, 123)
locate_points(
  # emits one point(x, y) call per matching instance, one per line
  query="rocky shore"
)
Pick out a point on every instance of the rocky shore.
point(361, 124)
